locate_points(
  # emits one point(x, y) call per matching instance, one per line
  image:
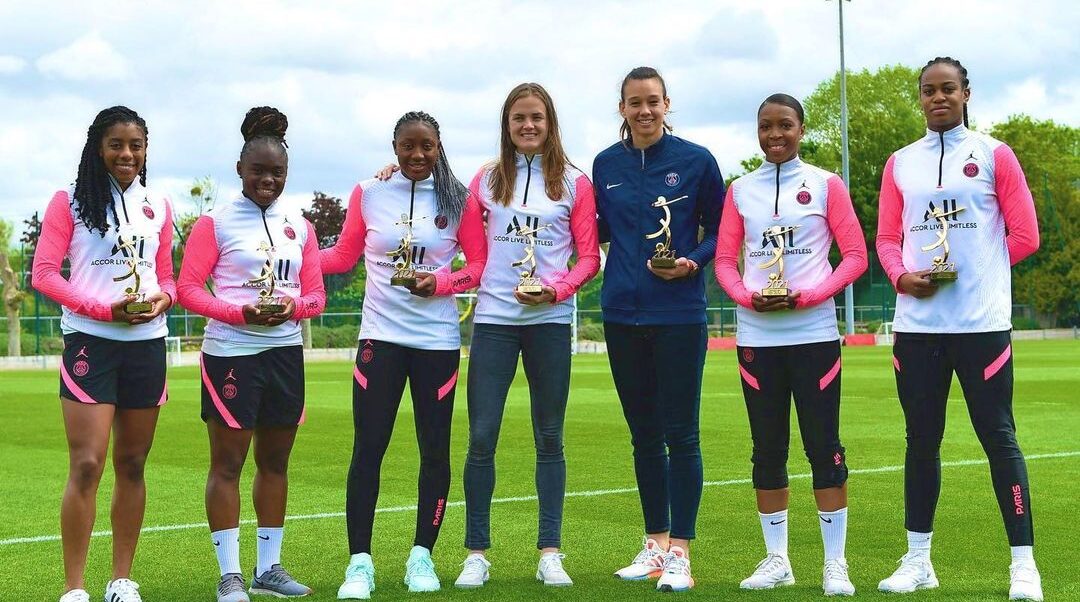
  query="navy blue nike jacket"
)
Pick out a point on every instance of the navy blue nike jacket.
point(627, 182)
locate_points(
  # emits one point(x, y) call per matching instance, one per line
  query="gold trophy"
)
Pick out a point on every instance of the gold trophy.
point(140, 305)
point(777, 285)
point(529, 283)
point(404, 272)
point(941, 269)
point(268, 303)
point(665, 255)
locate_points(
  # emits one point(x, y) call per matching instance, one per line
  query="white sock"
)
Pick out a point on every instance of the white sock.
point(833, 532)
point(269, 547)
point(227, 547)
point(1022, 553)
point(918, 544)
point(775, 528)
point(360, 558)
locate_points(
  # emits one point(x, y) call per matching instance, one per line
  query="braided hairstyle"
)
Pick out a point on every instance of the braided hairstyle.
point(93, 187)
point(450, 194)
point(948, 60)
point(264, 125)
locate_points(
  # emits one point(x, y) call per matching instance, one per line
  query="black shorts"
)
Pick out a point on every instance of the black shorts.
point(249, 391)
point(127, 374)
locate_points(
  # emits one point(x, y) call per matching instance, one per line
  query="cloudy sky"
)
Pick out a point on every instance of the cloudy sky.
point(345, 71)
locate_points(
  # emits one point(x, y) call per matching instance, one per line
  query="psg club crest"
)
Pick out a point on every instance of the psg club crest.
point(672, 179)
point(290, 233)
point(803, 197)
point(971, 170)
point(748, 355)
point(148, 211)
point(228, 391)
point(441, 222)
point(81, 368)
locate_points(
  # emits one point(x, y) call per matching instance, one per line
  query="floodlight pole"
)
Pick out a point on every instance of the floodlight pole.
point(849, 290)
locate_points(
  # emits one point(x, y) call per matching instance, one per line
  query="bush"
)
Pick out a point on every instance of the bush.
point(331, 337)
point(590, 332)
point(1022, 323)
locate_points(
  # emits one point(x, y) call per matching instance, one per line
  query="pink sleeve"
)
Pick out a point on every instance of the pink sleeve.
point(56, 231)
point(200, 256)
point(312, 298)
point(1017, 206)
point(890, 226)
point(845, 228)
point(163, 262)
point(343, 256)
point(728, 242)
point(586, 242)
point(473, 242)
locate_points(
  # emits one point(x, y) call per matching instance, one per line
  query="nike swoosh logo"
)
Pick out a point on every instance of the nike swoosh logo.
point(828, 520)
point(267, 538)
point(217, 543)
point(610, 186)
point(777, 522)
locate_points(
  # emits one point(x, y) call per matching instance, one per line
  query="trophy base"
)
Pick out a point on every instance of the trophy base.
point(270, 308)
point(139, 307)
point(530, 289)
point(662, 262)
point(943, 276)
point(771, 293)
point(405, 281)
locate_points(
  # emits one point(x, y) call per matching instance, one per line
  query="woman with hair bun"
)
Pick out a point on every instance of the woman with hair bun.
point(262, 258)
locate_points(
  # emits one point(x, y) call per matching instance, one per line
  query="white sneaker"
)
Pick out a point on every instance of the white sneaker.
point(1024, 581)
point(122, 590)
point(474, 571)
point(773, 571)
point(420, 573)
point(676, 576)
point(359, 579)
point(915, 572)
point(76, 595)
point(648, 564)
point(835, 580)
point(551, 571)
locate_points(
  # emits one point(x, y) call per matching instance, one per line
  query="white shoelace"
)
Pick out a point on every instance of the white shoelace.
point(911, 565)
point(475, 566)
point(124, 590)
point(1024, 572)
point(770, 564)
point(676, 565)
point(552, 563)
point(835, 570)
point(646, 554)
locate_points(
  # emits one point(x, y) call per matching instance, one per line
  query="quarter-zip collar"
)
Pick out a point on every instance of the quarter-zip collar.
point(647, 154)
point(948, 138)
point(135, 189)
point(262, 212)
point(778, 171)
point(529, 163)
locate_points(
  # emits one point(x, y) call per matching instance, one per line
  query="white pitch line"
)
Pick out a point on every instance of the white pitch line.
point(522, 498)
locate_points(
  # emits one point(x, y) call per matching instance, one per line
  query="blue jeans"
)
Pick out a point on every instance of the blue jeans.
point(657, 372)
point(493, 358)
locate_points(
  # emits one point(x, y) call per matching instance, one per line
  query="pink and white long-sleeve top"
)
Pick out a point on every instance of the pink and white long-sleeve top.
point(374, 227)
point(801, 209)
point(978, 182)
point(234, 245)
point(568, 225)
point(141, 231)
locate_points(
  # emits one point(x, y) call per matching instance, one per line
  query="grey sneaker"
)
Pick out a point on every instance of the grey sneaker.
point(279, 583)
point(231, 588)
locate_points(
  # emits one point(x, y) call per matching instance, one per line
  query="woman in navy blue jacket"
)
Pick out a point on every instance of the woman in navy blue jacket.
point(652, 183)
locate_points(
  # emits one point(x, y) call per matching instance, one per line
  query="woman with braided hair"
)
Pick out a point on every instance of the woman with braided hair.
point(953, 311)
point(117, 236)
point(420, 217)
point(263, 260)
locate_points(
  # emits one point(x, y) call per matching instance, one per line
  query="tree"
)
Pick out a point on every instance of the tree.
point(327, 217)
point(32, 232)
point(1049, 281)
point(883, 116)
point(203, 195)
point(13, 293)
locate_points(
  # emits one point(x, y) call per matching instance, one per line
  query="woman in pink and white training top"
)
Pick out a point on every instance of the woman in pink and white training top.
point(252, 356)
point(531, 190)
point(788, 213)
point(953, 312)
point(117, 236)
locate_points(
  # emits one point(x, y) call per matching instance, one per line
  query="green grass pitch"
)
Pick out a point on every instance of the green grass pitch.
point(602, 530)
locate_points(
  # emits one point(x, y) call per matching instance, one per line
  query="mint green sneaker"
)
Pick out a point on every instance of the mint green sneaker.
point(420, 571)
point(359, 578)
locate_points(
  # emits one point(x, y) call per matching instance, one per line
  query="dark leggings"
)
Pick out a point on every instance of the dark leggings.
point(378, 382)
point(924, 365)
point(770, 377)
point(657, 372)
